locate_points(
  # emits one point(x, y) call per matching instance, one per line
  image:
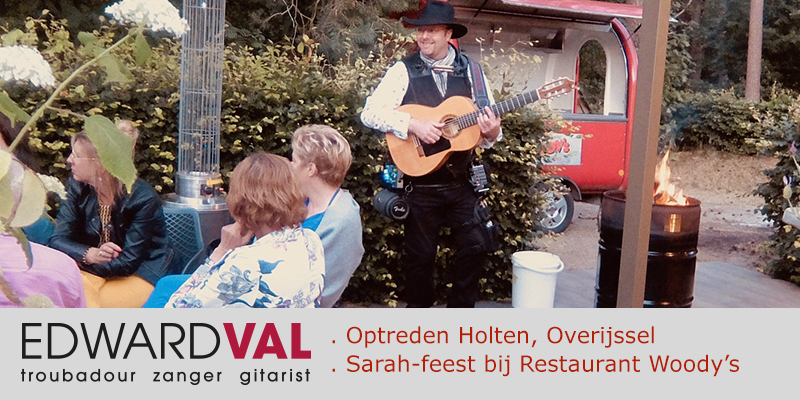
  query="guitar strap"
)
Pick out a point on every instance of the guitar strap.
point(481, 96)
point(478, 174)
point(479, 85)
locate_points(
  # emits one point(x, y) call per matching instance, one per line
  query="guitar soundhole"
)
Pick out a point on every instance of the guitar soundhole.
point(450, 129)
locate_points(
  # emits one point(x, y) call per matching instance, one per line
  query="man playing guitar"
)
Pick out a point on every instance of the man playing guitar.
point(436, 72)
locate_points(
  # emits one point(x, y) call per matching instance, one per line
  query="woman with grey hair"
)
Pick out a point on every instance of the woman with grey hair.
point(321, 157)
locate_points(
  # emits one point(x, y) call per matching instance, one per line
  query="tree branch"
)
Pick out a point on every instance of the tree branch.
point(40, 111)
point(65, 111)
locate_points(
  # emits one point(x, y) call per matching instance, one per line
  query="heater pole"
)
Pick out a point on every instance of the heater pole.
point(644, 146)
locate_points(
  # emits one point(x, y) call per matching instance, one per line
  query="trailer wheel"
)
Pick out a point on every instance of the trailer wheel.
point(559, 208)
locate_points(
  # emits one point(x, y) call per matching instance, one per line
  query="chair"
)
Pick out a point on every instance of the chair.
point(183, 231)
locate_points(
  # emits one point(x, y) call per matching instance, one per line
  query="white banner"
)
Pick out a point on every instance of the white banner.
point(388, 353)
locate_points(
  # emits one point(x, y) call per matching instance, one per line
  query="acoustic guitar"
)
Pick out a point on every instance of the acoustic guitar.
point(461, 132)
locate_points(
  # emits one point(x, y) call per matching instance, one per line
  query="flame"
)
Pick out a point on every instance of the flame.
point(665, 192)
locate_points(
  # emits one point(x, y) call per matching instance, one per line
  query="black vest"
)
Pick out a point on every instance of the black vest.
point(422, 90)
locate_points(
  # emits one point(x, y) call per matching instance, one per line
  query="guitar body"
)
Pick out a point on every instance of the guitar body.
point(415, 158)
point(461, 131)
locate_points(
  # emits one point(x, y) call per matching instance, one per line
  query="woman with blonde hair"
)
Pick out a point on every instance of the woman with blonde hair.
point(117, 236)
point(265, 258)
point(321, 157)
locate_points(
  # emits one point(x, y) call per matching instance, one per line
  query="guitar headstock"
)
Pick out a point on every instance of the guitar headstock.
point(556, 88)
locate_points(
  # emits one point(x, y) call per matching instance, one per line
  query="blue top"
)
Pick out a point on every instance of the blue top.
point(40, 231)
point(313, 221)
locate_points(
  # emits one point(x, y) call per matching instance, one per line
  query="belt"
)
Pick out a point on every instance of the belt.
point(437, 185)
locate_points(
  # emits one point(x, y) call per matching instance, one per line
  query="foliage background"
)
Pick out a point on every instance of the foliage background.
point(266, 96)
point(703, 96)
point(786, 238)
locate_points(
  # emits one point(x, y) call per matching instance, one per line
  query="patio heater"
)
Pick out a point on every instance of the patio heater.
point(198, 183)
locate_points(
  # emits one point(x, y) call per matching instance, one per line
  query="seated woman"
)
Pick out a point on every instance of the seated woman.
point(321, 157)
point(53, 274)
point(117, 236)
point(52, 278)
point(265, 258)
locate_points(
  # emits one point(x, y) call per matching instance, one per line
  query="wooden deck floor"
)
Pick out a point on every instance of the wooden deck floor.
point(717, 285)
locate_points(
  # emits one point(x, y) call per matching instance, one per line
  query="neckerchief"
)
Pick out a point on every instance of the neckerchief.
point(440, 68)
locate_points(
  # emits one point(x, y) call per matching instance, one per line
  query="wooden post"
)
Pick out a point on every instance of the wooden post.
point(644, 146)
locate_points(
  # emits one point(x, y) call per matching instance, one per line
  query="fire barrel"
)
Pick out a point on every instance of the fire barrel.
point(671, 256)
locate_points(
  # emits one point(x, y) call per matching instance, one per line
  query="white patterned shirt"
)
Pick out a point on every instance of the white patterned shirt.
point(280, 270)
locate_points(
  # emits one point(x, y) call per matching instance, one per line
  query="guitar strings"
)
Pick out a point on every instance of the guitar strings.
point(470, 119)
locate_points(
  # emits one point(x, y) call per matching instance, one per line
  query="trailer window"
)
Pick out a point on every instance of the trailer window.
point(591, 79)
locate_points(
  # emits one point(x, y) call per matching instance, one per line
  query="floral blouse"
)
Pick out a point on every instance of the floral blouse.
point(282, 269)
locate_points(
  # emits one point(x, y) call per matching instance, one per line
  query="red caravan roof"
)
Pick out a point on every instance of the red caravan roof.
point(569, 9)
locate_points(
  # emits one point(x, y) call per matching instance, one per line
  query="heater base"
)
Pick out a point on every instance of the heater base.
point(213, 214)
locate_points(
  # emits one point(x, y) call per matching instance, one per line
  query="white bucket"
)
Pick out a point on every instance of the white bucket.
point(534, 283)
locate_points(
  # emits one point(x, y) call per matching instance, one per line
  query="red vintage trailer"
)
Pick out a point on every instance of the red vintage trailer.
point(595, 157)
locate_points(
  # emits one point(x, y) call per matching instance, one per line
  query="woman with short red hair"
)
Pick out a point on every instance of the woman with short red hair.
point(265, 258)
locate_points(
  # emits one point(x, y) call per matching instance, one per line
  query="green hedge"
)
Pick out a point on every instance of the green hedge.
point(721, 120)
point(265, 98)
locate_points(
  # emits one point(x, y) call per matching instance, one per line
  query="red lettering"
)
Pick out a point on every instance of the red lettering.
point(557, 146)
point(239, 349)
point(525, 361)
point(263, 348)
point(297, 352)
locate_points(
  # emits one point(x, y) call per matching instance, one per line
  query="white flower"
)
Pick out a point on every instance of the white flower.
point(52, 184)
point(23, 63)
point(160, 15)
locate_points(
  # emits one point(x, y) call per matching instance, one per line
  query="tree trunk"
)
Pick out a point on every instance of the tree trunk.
point(695, 13)
point(753, 78)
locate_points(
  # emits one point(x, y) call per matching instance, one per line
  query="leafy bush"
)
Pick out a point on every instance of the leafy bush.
point(265, 98)
point(786, 239)
point(722, 120)
point(151, 99)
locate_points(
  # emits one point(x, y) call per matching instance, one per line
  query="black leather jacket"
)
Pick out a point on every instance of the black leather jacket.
point(137, 227)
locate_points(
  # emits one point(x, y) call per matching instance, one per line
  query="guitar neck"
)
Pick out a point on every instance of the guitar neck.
point(518, 101)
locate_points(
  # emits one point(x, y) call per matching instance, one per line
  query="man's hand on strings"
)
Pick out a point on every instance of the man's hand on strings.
point(489, 124)
point(427, 131)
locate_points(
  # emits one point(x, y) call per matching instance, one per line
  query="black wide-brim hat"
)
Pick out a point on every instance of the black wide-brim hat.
point(438, 13)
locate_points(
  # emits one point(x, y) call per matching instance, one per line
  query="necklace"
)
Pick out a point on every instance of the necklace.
point(105, 222)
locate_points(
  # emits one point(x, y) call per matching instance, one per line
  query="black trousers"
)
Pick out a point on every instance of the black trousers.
point(431, 207)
